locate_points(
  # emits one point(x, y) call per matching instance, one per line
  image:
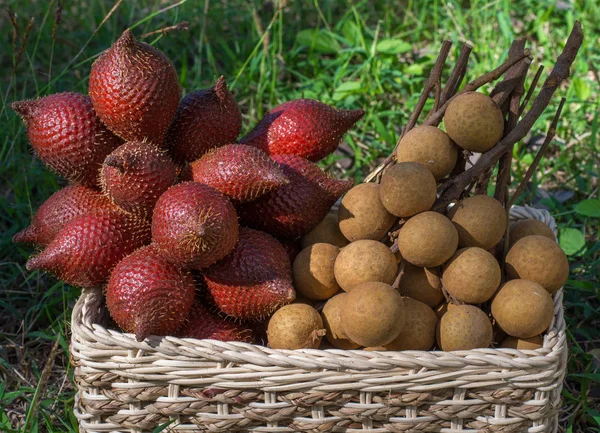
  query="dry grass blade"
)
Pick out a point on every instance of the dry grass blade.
point(182, 26)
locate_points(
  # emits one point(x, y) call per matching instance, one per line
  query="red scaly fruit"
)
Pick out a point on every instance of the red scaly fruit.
point(292, 247)
point(146, 295)
point(205, 119)
point(87, 248)
point(135, 174)
point(302, 127)
point(135, 90)
point(254, 280)
point(295, 209)
point(243, 173)
point(67, 135)
point(194, 225)
point(59, 209)
point(201, 323)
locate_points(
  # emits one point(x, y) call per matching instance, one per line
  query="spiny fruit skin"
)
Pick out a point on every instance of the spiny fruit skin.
point(303, 127)
point(194, 225)
point(62, 206)
point(201, 323)
point(88, 247)
point(135, 174)
point(243, 173)
point(135, 90)
point(146, 295)
point(67, 135)
point(214, 113)
point(295, 209)
point(254, 280)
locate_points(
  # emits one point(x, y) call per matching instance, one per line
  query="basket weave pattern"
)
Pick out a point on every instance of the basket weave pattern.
point(205, 385)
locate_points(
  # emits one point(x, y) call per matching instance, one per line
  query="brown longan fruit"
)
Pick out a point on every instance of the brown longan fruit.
point(364, 261)
point(331, 319)
point(427, 240)
point(295, 326)
point(422, 284)
point(480, 221)
point(362, 215)
point(313, 271)
point(430, 147)
point(373, 314)
point(474, 121)
point(418, 332)
point(326, 232)
point(522, 308)
point(443, 309)
point(532, 343)
point(464, 327)
point(472, 275)
point(529, 227)
point(407, 188)
point(539, 259)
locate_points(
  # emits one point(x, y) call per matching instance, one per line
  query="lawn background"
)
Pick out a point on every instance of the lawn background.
point(373, 55)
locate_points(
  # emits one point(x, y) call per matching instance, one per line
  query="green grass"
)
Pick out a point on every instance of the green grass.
point(353, 54)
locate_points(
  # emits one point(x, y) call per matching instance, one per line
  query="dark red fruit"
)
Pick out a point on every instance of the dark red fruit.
point(59, 209)
point(67, 135)
point(194, 225)
point(205, 119)
point(292, 248)
point(295, 209)
point(146, 295)
point(302, 127)
point(87, 248)
point(135, 90)
point(241, 172)
point(254, 280)
point(135, 174)
point(201, 323)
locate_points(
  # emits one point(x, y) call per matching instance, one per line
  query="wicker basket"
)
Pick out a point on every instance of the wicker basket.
point(205, 385)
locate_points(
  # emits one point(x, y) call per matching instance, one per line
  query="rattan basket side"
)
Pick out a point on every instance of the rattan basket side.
point(206, 385)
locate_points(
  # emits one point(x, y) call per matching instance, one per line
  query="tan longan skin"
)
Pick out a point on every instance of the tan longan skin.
point(326, 232)
point(422, 284)
point(407, 188)
point(418, 332)
point(464, 327)
point(480, 221)
point(430, 147)
point(532, 343)
point(312, 272)
point(373, 314)
point(364, 261)
point(529, 227)
point(362, 215)
point(333, 324)
point(474, 121)
point(539, 259)
point(522, 308)
point(427, 240)
point(472, 275)
point(443, 309)
point(295, 326)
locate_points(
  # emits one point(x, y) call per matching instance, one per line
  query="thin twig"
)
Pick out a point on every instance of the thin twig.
point(531, 89)
point(183, 25)
point(536, 161)
point(457, 72)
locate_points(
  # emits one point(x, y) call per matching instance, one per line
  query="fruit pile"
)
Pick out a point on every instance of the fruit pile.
point(191, 233)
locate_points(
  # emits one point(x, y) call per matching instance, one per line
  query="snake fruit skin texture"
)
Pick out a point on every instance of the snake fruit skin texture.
point(60, 208)
point(135, 175)
point(67, 135)
point(295, 209)
point(194, 225)
point(135, 90)
point(201, 323)
point(243, 173)
point(254, 280)
point(303, 127)
point(88, 247)
point(205, 119)
point(146, 295)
